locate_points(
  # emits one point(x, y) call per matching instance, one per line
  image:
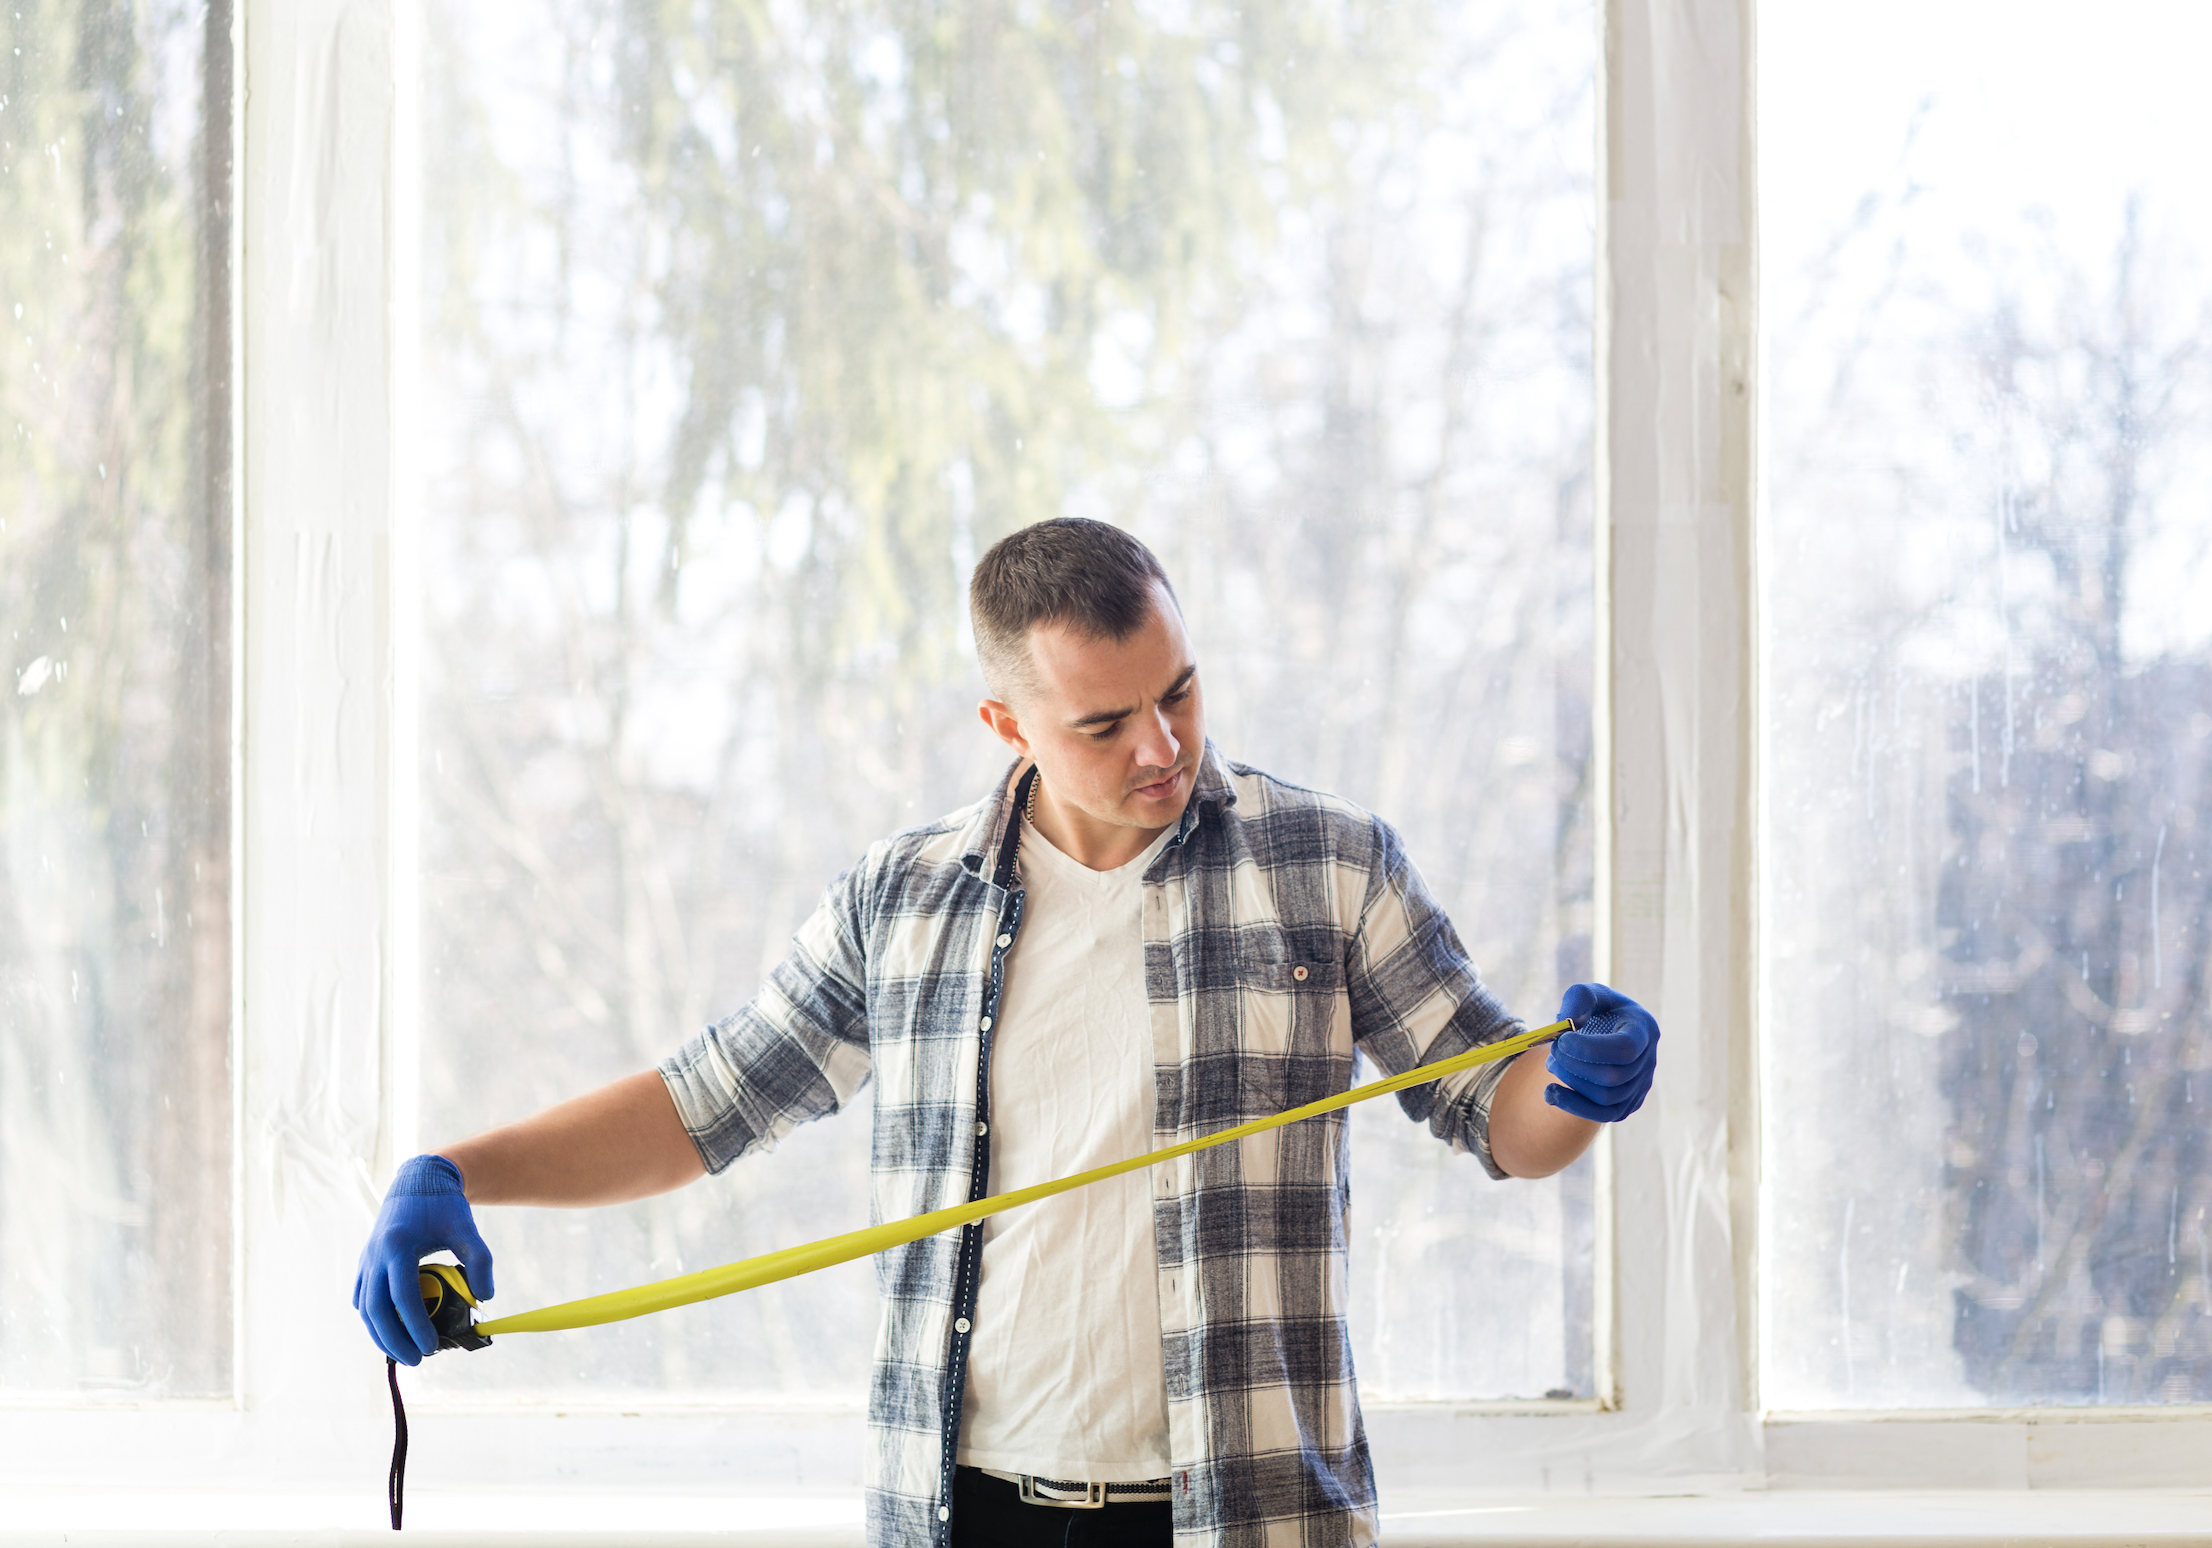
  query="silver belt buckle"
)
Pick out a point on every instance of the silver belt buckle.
point(1094, 1494)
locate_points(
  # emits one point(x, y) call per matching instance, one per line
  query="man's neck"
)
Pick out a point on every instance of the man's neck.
point(1099, 846)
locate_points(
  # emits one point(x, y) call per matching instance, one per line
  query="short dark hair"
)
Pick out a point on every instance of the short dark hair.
point(1087, 575)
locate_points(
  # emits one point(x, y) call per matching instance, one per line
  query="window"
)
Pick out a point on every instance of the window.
point(1988, 721)
point(741, 341)
point(115, 722)
point(605, 491)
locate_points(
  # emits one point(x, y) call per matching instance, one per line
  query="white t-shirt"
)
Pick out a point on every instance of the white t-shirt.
point(1064, 1372)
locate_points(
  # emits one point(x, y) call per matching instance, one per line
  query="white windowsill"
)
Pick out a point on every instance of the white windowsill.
point(1804, 1519)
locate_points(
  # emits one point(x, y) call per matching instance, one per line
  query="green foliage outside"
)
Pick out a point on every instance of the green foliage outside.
point(748, 328)
point(114, 945)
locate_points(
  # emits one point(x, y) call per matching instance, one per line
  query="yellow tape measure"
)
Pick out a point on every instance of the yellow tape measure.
point(684, 1289)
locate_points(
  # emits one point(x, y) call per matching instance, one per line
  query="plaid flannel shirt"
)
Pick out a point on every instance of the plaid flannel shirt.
point(1283, 929)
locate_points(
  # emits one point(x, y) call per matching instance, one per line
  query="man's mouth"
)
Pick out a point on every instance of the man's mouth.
point(1160, 790)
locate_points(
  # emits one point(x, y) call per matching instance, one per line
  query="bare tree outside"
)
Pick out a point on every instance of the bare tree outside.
point(747, 331)
point(1990, 740)
point(115, 538)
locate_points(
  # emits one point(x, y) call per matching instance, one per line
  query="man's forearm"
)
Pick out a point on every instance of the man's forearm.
point(1528, 1136)
point(621, 1142)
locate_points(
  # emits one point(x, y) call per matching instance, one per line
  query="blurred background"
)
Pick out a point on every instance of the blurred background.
point(115, 723)
point(746, 331)
point(1988, 706)
point(743, 330)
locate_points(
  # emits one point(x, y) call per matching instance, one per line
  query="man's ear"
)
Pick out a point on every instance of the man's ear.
point(1003, 725)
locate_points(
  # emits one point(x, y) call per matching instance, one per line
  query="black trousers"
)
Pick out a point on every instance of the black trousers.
point(989, 1512)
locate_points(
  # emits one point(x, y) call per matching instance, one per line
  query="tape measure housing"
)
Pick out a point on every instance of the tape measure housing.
point(447, 1298)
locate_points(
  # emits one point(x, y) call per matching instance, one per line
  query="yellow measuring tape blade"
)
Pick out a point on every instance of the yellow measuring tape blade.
point(684, 1289)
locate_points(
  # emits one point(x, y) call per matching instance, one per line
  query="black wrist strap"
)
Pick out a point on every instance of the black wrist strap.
point(395, 1484)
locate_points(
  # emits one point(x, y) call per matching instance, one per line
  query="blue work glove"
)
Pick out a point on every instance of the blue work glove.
point(1604, 1066)
point(424, 1212)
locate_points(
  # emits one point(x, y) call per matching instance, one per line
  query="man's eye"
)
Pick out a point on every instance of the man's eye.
point(1178, 696)
point(1104, 732)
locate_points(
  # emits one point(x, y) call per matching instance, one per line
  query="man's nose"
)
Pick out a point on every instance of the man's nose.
point(1157, 748)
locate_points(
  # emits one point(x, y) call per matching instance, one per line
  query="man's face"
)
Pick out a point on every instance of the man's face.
point(1116, 726)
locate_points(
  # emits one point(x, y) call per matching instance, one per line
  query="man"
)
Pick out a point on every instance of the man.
point(1129, 943)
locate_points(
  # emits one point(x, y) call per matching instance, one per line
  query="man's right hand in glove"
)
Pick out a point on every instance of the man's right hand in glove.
point(424, 1212)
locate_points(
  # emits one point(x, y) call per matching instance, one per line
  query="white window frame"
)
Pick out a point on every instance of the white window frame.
point(326, 1052)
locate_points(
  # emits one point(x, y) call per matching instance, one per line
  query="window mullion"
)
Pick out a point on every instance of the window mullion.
point(317, 526)
point(1677, 308)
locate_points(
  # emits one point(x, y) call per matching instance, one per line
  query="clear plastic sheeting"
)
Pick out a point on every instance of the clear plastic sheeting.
point(742, 338)
point(115, 1001)
point(1988, 708)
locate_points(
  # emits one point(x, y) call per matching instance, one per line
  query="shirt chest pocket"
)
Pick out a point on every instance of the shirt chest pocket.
point(1292, 1005)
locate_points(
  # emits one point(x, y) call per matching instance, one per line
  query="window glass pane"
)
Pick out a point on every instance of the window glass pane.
point(1988, 706)
point(744, 338)
point(115, 1223)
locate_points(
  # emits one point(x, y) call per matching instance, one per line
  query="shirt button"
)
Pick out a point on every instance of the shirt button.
point(1005, 941)
point(944, 1513)
point(982, 1129)
point(984, 1024)
point(960, 1326)
point(1298, 973)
